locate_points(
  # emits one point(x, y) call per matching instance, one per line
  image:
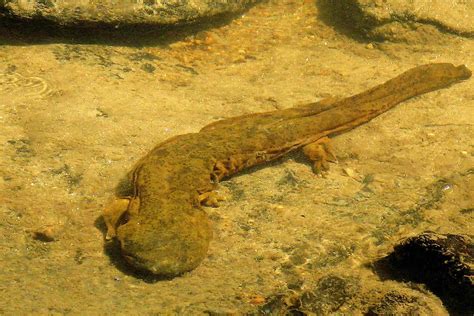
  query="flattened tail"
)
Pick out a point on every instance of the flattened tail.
point(363, 107)
point(411, 83)
point(429, 77)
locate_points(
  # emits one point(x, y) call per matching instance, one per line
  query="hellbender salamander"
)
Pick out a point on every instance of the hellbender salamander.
point(157, 215)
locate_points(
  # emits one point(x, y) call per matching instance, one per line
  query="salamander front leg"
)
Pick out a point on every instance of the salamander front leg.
point(321, 153)
point(210, 198)
point(113, 213)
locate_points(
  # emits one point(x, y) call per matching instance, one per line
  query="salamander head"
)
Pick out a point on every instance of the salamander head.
point(168, 243)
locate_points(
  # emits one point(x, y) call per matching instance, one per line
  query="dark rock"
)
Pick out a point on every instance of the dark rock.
point(116, 12)
point(445, 263)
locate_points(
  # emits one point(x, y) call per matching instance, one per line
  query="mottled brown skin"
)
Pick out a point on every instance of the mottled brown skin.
point(157, 216)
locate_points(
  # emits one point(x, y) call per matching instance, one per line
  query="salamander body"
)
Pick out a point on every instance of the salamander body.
point(157, 215)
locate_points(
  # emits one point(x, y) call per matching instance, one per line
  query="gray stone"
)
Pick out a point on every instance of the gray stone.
point(90, 12)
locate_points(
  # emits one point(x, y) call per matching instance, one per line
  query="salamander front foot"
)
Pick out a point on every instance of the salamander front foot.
point(112, 215)
point(210, 198)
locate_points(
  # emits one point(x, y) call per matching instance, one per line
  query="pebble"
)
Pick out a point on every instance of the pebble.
point(46, 234)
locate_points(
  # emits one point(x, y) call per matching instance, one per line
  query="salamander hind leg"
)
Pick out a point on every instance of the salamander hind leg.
point(320, 153)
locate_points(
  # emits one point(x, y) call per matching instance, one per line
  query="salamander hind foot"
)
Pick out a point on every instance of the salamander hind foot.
point(321, 153)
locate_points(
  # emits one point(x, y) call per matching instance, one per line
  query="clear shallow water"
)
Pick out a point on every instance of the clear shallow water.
point(75, 117)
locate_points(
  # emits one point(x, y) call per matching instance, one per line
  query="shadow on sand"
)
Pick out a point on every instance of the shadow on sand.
point(17, 31)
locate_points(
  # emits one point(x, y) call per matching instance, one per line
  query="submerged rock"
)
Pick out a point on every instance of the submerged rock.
point(90, 12)
point(352, 295)
point(400, 20)
point(406, 303)
point(331, 294)
point(445, 263)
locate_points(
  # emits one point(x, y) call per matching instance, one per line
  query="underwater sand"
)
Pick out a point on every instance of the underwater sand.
point(76, 114)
